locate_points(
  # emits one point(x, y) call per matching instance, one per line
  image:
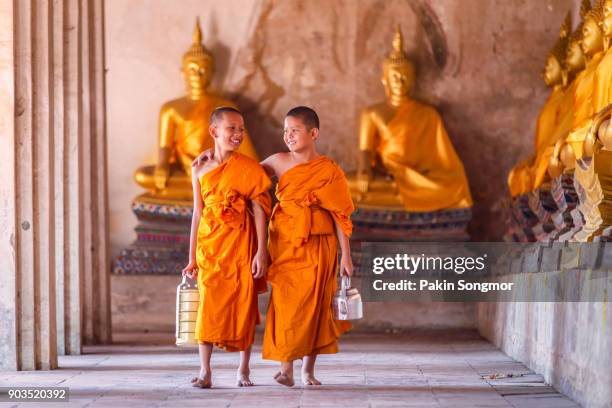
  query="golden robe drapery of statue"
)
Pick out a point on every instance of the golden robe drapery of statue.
point(418, 153)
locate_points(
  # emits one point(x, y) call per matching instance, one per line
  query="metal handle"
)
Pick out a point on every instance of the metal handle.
point(186, 285)
point(345, 284)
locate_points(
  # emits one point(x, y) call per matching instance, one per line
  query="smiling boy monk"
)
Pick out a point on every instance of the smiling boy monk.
point(311, 218)
point(228, 245)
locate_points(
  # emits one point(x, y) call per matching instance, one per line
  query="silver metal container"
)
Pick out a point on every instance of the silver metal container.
point(187, 302)
point(347, 301)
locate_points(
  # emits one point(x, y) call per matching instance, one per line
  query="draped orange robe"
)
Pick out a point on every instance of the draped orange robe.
point(583, 105)
point(303, 247)
point(226, 244)
point(602, 96)
point(521, 177)
point(419, 154)
point(563, 124)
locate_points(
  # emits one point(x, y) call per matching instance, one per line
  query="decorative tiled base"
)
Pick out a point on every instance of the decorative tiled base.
point(546, 214)
point(371, 225)
point(162, 238)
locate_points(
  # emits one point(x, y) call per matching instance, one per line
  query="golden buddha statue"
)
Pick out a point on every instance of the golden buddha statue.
point(529, 173)
point(592, 46)
point(407, 159)
point(563, 158)
point(183, 128)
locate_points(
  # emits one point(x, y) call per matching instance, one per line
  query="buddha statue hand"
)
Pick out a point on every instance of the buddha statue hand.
point(555, 167)
point(161, 174)
point(363, 181)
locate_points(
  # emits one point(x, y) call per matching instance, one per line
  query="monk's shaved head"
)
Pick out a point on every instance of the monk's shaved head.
point(217, 114)
point(307, 115)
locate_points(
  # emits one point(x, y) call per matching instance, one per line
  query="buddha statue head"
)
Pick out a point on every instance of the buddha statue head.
point(575, 59)
point(554, 69)
point(607, 22)
point(399, 73)
point(592, 30)
point(198, 64)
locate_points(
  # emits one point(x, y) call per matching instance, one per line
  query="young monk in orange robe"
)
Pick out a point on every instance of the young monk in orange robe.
point(228, 245)
point(311, 219)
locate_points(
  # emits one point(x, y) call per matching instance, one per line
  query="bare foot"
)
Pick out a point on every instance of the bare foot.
point(284, 379)
point(243, 380)
point(203, 381)
point(309, 379)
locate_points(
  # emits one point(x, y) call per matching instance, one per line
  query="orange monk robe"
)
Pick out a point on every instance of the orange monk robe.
point(303, 247)
point(602, 95)
point(192, 138)
point(419, 154)
point(583, 105)
point(226, 244)
point(564, 119)
point(521, 177)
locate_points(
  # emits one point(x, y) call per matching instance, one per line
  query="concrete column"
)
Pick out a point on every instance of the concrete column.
point(8, 216)
point(96, 322)
point(44, 186)
point(59, 170)
point(102, 309)
point(73, 266)
point(85, 146)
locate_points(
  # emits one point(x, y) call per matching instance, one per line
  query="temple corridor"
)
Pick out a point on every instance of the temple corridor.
point(438, 369)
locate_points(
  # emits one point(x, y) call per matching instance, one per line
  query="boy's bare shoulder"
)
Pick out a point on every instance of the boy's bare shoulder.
point(202, 168)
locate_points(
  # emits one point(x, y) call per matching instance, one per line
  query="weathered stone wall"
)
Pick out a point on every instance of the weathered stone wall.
point(479, 62)
point(567, 342)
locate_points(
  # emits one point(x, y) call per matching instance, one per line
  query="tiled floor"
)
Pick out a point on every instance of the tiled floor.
point(425, 370)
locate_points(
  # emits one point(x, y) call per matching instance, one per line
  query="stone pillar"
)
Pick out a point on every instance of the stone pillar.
point(54, 272)
point(8, 193)
point(73, 259)
point(97, 322)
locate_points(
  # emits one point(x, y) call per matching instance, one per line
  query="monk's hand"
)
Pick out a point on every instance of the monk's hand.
point(346, 265)
point(204, 156)
point(160, 175)
point(191, 270)
point(259, 266)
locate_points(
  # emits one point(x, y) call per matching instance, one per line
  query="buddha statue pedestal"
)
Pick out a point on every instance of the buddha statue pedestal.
point(603, 170)
point(566, 200)
point(387, 225)
point(543, 206)
point(521, 220)
point(162, 237)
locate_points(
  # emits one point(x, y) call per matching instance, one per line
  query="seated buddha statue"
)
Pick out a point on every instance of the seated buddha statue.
point(407, 160)
point(563, 158)
point(183, 128)
point(528, 174)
